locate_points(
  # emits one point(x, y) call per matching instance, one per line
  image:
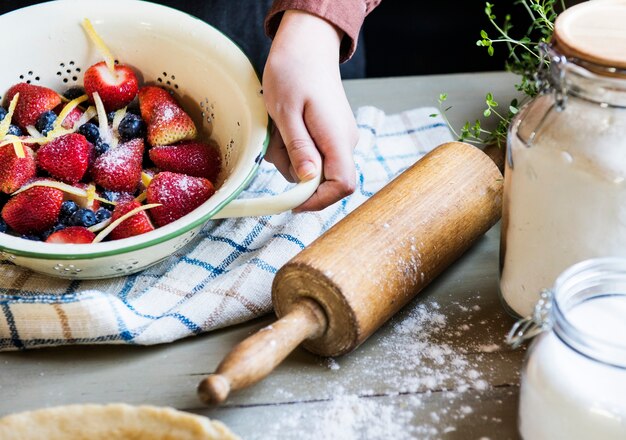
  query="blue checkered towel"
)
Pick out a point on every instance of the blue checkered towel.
point(224, 278)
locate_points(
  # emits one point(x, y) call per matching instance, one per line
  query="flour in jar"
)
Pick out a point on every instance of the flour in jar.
point(565, 197)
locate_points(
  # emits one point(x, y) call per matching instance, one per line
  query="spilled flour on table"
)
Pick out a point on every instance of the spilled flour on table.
point(417, 359)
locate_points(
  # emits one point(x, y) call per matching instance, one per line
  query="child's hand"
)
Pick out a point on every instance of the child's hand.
point(305, 98)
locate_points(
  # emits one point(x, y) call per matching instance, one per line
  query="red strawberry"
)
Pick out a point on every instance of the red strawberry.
point(137, 224)
point(33, 211)
point(66, 157)
point(14, 172)
point(72, 235)
point(166, 121)
point(179, 194)
point(119, 169)
point(193, 158)
point(116, 91)
point(33, 101)
point(72, 118)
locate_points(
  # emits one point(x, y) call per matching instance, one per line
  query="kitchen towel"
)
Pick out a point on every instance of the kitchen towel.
point(221, 279)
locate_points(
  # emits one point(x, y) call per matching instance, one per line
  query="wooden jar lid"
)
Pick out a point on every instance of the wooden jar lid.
point(594, 31)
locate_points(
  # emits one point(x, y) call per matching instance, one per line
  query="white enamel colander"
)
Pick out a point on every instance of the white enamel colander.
point(210, 75)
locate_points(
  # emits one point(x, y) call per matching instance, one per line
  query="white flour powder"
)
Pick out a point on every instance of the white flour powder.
point(418, 361)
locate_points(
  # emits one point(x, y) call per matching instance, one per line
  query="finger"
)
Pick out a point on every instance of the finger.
point(277, 155)
point(303, 154)
point(336, 138)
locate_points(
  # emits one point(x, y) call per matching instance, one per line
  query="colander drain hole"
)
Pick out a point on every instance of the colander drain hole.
point(125, 266)
point(69, 269)
point(168, 80)
point(208, 113)
point(29, 77)
point(69, 71)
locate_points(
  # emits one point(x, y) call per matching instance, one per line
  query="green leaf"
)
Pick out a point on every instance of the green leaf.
point(433, 115)
point(490, 50)
point(513, 110)
point(487, 112)
point(483, 35)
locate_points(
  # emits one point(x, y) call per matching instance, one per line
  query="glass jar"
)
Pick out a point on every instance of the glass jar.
point(573, 382)
point(565, 177)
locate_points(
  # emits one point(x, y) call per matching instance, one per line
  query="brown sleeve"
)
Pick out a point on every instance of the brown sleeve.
point(347, 15)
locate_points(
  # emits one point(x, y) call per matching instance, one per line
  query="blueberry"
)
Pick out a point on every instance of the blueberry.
point(83, 217)
point(102, 214)
point(101, 147)
point(132, 126)
point(68, 208)
point(111, 196)
point(15, 130)
point(3, 226)
point(3, 113)
point(31, 237)
point(90, 131)
point(45, 122)
point(74, 92)
point(110, 117)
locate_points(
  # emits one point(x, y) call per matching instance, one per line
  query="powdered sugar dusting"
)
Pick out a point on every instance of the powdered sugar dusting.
point(116, 158)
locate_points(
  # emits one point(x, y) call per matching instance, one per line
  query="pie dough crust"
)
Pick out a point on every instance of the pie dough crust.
point(111, 422)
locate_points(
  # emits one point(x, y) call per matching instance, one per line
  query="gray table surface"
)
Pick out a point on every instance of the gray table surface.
point(440, 369)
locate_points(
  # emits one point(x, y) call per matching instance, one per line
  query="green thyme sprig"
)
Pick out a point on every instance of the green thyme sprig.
point(523, 59)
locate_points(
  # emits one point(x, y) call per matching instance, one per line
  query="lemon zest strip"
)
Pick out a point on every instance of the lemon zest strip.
point(100, 45)
point(69, 189)
point(17, 145)
point(106, 231)
point(100, 226)
point(69, 107)
point(141, 197)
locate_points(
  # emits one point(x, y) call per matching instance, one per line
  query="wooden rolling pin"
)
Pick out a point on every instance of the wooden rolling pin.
point(347, 283)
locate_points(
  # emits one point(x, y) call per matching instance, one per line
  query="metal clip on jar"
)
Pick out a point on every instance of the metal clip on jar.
point(565, 177)
point(574, 379)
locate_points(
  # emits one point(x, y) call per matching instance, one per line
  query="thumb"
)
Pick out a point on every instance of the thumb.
point(303, 154)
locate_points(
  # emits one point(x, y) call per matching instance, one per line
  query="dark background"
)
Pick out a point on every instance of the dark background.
point(401, 37)
point(417, 37)
point(413, 37)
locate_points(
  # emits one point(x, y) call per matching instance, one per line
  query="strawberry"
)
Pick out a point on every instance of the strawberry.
point(119, 169)
point(33, 211)
point(137, 224)
point(66, 157)
point(178, 194)
point(71, 235)
point(14, 172)
point(192, 158)
point(72, 118)
point(33, 101)
point(166, 121)
point(115, 90)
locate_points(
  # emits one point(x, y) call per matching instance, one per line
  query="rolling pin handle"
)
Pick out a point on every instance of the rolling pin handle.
point(214, 390)
point(256, 357)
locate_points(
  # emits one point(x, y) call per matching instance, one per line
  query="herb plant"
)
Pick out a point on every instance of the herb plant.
point(524, 59)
